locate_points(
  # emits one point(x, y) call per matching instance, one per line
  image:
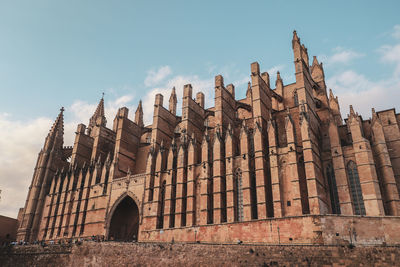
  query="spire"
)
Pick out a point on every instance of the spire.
point(248, 92)
point(139, 114)
point(317, 71)
point(315, 61)
point(352, 110)
point(374, 115)
point(296, 46)
point(98, 117)
point(172, 101)
point(58, 125)
point(295, 37)
point(331, 96)
point(352, 114)
point(279, 84)
point(278, 79)
point(55, 137)
point(278, 76)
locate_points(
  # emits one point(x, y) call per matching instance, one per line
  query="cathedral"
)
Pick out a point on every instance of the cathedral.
point(280, 166)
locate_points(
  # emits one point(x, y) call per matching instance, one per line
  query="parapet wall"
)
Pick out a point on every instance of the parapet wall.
point(310, 229)
point(167, 254)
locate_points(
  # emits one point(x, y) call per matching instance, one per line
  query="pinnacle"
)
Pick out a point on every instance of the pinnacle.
point(295, 37)
point(330, 94)
point(315, 61)
point(278, 79)
point(139, 108)
point(58, 125)
point(99, 113)
point(375, 117)
point(248, 88)
point(352, 113)
point(139, 114)
point(173, 94)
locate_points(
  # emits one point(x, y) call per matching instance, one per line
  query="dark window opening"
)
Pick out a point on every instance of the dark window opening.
point(330, 174)
point(355, 188)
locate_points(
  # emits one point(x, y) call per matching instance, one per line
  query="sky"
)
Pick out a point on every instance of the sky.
point(57, 54)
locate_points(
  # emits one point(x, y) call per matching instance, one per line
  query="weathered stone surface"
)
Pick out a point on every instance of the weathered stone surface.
point(167, 254)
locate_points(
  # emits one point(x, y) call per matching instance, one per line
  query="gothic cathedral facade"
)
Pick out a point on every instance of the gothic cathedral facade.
point(279, 166)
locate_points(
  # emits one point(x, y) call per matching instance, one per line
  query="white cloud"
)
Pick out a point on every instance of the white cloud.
point(355, 89)
point(396, 32)
point(391, 54)
point(20, 143)
point(342, 55)
point(155, 77)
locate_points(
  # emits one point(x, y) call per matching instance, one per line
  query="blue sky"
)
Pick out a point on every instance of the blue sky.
point(66, 53)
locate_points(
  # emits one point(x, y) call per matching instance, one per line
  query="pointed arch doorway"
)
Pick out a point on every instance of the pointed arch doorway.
point(124, 223)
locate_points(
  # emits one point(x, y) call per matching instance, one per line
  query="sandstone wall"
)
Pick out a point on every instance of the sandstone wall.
point(314, 229)
point(167, 254)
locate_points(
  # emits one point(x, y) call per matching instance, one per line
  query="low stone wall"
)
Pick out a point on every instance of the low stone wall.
point(167, 254)
point(307, 229)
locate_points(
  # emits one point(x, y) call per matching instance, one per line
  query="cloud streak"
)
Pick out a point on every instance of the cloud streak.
point(340, 56)
point(155, 77)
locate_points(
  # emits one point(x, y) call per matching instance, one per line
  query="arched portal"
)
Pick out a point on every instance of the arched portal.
point(124, 224)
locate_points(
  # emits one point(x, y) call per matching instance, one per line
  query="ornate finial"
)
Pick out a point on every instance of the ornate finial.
point(62, 109)
point(102, 95)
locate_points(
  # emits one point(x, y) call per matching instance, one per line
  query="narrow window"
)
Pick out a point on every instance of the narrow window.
point(355, 188)
point(330, 174)
point(296, 98)
point(239, 194)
